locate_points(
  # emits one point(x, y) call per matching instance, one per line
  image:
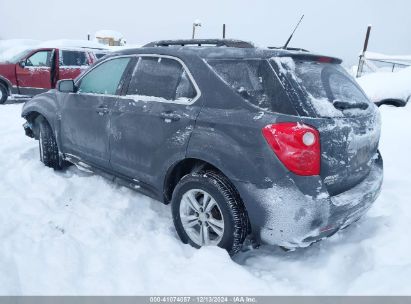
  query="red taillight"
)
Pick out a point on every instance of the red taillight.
point(296, 145)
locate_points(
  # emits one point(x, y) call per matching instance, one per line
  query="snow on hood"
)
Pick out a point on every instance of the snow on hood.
point(12, 47)
point(383, 85)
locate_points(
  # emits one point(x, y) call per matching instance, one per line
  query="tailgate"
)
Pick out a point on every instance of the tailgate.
point(348, 147)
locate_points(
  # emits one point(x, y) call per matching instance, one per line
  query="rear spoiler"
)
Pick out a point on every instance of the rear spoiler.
point(313, 57)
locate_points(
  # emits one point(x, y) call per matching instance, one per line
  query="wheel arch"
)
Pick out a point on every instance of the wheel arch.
point(182, 168)
point(34, 118)
point(45, 107)
point(6, 83)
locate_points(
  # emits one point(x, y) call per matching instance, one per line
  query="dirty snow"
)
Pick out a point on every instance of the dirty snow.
point(76, 233)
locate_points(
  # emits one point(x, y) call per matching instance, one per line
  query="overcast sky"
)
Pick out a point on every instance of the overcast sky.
point(331, 27)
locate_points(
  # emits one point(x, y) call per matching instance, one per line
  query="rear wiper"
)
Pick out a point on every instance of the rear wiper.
point(345, 105)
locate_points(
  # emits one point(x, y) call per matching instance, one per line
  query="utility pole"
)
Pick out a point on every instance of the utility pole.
point(361, 61)
point(224, 31)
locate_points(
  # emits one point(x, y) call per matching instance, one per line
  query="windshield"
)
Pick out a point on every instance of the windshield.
point(255, 81)
point(13, 55)
point(330, 89)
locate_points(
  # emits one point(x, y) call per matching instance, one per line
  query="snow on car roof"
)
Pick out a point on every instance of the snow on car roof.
point(68, 43)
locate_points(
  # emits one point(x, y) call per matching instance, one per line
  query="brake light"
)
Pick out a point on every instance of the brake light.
point(296, 145)
point(325, 59)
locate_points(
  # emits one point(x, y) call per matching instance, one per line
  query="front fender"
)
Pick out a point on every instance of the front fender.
point(47, 106)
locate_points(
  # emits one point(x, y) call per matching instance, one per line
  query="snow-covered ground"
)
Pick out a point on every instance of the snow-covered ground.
point(76, 233)
point(385, 84)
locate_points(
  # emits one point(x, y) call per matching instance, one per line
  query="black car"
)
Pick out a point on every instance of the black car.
point(278, 144)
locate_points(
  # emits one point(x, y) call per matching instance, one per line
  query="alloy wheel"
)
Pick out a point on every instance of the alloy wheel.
point(201, 217)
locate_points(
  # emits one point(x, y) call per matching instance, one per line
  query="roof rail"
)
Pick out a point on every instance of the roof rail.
point(202, 42)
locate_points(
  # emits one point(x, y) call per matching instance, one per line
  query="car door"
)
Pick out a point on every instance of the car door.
point(72, 63)
point(85, 117)
point(34, 74)
point(152, 122)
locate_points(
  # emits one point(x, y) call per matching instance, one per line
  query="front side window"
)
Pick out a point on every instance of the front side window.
point(73, 58)
point(162, 78)
point(39, 59)
point(105, 78)
point(255, 81)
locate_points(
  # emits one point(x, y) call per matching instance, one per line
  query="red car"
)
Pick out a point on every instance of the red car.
point(36, 71)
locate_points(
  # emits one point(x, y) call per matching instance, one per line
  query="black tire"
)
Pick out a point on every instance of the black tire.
point(49, 152)
point(236, 223)
point(4, 94)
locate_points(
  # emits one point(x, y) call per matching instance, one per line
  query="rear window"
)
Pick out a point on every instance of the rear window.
point(330, 89)
point(256, 82)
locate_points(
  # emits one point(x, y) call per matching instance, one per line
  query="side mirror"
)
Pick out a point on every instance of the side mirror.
point(66, 86)
point(393, 102)
point(22, 64)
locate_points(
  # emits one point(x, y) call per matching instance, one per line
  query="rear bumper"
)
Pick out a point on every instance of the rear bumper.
point(284, 215)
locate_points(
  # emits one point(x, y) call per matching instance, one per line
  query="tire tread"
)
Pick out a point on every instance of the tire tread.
point(234, 202)
point(50, 157)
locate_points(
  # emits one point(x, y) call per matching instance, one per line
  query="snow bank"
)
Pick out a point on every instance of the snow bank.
point(382, 85)
point(399, 59)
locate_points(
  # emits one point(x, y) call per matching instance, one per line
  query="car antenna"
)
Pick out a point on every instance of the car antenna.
point(291, 36)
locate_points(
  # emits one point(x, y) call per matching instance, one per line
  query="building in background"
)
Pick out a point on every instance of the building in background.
point(110, 38)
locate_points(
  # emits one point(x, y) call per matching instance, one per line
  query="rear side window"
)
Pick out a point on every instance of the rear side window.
point(73, 58)
point(161, 78)
point(105, 78)
point(256, 82)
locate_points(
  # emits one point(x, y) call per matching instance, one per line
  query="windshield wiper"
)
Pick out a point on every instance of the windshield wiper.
point(345, 105)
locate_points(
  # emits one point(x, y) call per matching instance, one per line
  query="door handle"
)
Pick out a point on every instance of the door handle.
point(102, 110)
point(172, 116)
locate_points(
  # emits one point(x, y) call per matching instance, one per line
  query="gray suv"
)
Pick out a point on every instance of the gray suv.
point(277, 144)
